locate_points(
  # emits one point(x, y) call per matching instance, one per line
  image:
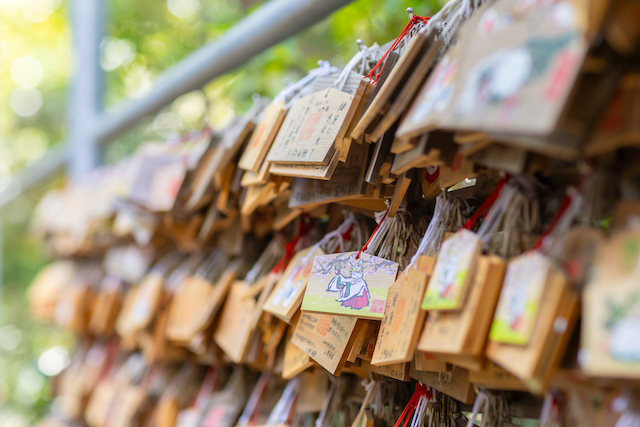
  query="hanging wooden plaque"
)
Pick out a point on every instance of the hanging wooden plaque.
point(309, 131)
point(346, 183)
point(341, 284)
point(326, 338)
point(261, 139)
point(403, 319)
point(464, 332)
point(286, 297)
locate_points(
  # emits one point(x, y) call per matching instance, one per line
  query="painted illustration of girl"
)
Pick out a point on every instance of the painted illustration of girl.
point(354, 292)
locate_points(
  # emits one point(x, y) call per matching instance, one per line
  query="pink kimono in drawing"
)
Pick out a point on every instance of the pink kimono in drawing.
point(354, 292)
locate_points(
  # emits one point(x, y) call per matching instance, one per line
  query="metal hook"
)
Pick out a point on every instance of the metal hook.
point(410, 13)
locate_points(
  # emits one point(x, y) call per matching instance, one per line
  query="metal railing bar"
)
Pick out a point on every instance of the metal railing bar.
point(265, 27)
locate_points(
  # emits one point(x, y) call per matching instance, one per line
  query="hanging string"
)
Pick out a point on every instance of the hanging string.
point(416, 405)
point(373, 234)
point(413, 21)
point(359, 58)
point(484, 208)
point(295, 90)
point(564, 206)
point(291, 246)
point(429, 234)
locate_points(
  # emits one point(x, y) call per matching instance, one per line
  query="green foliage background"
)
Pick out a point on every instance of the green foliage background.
point(157, 40)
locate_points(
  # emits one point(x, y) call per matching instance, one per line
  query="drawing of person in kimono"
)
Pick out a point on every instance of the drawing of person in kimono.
point(354, 292)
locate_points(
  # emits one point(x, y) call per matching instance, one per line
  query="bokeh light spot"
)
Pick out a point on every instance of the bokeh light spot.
point(26, 71)
point(183, 8)
point(10, 337)
point(26, 102)
point(30, 144)
point(115, 53)
point(53, 361)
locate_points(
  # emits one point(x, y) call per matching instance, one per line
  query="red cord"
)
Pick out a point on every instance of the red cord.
point(289, 247)
point(421, 390)
point(566, 202)
point(373, 234)
point(484, 208)
point(394, 45)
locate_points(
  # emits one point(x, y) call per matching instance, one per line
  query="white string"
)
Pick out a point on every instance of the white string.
point(293, 91)
point(325, 405)
point(360, 57)
point(382, 230)
point(420, 412)
point(280, 412)
point(332, 240)
point(496, 213)
point(429, 234)
point(481, 399)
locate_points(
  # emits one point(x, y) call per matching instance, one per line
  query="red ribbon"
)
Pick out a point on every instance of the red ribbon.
point(373, 234)
point(290, 247)
point(566, 202)
point(484, 208)
point(394, 45)
point(421, 390)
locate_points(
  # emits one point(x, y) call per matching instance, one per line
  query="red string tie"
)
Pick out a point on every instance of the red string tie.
point(373, 234)
point(394, 45)
point(484, 208)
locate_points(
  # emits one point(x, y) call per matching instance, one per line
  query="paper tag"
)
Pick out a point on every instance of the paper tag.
point(341, 284)
point(517, 309)
point(452, 272)
point(402, 321)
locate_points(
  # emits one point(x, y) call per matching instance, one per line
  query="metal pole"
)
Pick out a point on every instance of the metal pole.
point(85, 102)
point(267, 26)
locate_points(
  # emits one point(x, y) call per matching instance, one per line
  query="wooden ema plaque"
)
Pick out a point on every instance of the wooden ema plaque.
point(309, 131)
point(234, 329)
point(286, 297)
point(295, 360)
point(391, 87)
point(405, 80)
point(346, 285)
point(263, 136)
point(313, 171)
point(455, 383)
point(195, 306)
point(140, 305)
point(535, 362)
point(403, 319)
point(464, 332)
point(326, 338)
point(346, 183)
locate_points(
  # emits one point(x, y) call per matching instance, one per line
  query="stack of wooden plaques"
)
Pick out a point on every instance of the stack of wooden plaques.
point(458, 227)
